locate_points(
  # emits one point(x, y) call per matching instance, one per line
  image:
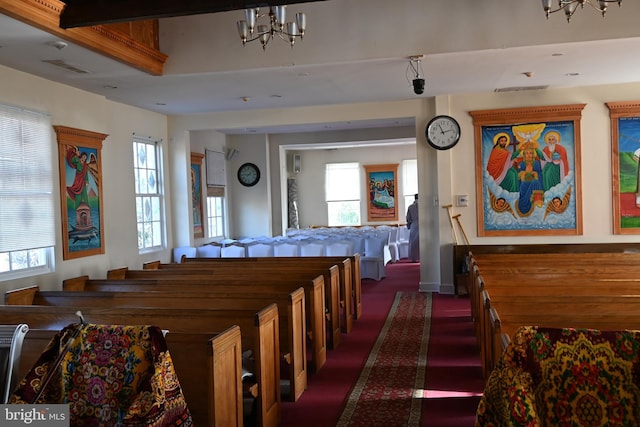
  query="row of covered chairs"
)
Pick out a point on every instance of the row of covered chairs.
point(376, 247)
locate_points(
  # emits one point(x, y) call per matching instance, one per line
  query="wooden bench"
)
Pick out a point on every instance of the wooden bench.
point(346, 279)
point(549, 287)
point(192, 350)
point(270, 267)
point(291, 308)
point(356, 278)
point(254, 277)
point(267, 290)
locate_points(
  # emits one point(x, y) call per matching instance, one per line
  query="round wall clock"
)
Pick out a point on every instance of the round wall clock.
point(248, 174)
point(442, 132)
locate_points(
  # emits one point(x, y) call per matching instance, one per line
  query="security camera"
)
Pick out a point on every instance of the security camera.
point(418, 86)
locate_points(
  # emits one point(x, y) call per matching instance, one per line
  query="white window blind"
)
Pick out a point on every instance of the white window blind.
point(216, 169)
point(26, 180)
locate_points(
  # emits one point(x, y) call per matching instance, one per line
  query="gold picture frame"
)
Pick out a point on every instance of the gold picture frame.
point(382, 194)
point(528, 177)
point(196, 194)
point(81, 200)
point(625, 155)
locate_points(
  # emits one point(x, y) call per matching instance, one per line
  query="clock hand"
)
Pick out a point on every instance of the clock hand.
point(441, 131)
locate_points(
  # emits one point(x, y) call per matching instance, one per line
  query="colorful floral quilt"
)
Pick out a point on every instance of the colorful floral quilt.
point(110, 375)
point(565, 377)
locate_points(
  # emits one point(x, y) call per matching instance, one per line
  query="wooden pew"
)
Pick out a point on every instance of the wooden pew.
point(291, 314)
point(346, 276)
point(254, 277)
point(270, 267)
point(267, 290)
point(220, 394)
point(595, 290)
point(191, 348)
point(504, 314)
point(356, 278)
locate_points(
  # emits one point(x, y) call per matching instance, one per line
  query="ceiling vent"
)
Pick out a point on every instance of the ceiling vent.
point(520, 88)
point(60, 63)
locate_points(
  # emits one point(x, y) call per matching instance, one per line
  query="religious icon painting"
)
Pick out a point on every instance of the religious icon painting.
point(625, 157)
point(528, 171)
point(381, 189)
point(196, 194)
point(80, 161)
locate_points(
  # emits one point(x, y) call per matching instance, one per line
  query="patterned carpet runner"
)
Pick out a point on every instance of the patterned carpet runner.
point(389, 390)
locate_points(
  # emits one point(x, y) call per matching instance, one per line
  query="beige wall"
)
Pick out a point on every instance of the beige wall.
point(74, 108)
point(442, 175)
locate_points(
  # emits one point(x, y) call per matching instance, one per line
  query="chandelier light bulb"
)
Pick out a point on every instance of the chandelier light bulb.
point(571, 6)
point(277, 25)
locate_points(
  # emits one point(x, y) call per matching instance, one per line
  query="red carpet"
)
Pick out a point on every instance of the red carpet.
point(390, 386)
point(453, 376)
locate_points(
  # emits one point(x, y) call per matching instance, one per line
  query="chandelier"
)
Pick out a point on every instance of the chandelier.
point(287, 31)
point(570, 6)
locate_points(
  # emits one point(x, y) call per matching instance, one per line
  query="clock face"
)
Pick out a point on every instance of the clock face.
point(248, 174)
point(443, 132)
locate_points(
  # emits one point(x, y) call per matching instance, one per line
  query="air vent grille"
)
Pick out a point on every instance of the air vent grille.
point(520, 88)
point(60, 63)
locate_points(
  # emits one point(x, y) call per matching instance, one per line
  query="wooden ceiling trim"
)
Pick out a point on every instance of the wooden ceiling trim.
point(81, 13)
point(45, 15)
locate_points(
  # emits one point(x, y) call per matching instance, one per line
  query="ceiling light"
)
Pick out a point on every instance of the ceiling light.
point(250, 30)
point(570, 6)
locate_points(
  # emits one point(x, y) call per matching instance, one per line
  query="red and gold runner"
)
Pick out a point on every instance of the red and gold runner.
point(389, 391)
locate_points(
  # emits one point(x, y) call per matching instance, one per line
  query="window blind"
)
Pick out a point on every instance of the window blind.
point(216, 169)
point(26, 180)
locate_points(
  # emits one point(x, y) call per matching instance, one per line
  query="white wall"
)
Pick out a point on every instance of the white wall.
point(74, 108)
point(596, 158)
point(311, 194)
point(258, 210)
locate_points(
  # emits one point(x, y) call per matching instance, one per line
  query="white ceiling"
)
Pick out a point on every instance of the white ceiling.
point(355, 51)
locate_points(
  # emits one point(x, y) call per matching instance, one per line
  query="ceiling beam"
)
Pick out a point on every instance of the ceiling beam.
point(83, 13)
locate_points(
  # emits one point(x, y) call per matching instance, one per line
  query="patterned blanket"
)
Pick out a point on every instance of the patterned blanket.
point(110, 375)
point(565, 377)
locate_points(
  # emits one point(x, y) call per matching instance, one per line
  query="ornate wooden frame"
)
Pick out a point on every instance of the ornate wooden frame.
point(515, 196)
point(109, 40)
point(625, 136)
point(79, 152)
point(196, 194)
point(386, 176)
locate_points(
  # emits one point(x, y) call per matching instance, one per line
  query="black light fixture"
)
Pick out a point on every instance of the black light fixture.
point(416, 67)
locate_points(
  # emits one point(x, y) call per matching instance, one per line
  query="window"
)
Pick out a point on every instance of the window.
point(216, 184)
point(149, 200)
point(27, 221)
point(342, 190)
point(215, 216)
point(409, 180)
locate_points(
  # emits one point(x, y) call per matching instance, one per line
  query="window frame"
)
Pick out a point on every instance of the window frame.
point(357, 191)
point(157, 196)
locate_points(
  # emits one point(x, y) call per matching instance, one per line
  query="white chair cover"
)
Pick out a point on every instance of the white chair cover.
point(208, 251)
point(233, 251)
point(373, 262)
point(393, 244)
point(187, 251)
point(403, 242)
point(260, 250)
point(314, 248)
point(286, 249)
point(339, 248)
